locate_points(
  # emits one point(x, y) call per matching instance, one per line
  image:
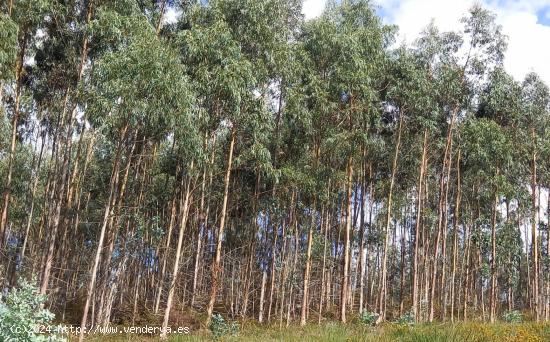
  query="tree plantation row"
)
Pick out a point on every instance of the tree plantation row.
point(241, 160)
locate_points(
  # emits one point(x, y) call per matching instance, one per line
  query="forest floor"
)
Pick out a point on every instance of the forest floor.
point(476, 332)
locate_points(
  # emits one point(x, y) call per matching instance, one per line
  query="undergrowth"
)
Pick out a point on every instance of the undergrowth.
point(333, 332)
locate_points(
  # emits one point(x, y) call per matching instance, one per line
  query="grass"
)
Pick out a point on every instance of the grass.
point(475, 332)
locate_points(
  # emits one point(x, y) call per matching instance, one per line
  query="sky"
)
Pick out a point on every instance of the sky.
point(525, 22)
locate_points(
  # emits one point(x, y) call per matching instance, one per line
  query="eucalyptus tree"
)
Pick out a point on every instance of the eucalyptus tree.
point(8, 46)
point(410, 103)
point(54, 79)
point(40, 106)
point(437, 54)
point(500, 102)
point(346, 45)
point(458, 63)
point(25, 19)
point(487, 150)
point(137, 91)
point(289, 167)
point(234, 51)
point(8, 55)
point(535, 100)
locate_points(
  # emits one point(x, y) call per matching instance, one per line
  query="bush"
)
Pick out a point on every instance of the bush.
point(22, 316)
point(406, 319)
point(219, 327)
point(368, 318)
point(513, 316)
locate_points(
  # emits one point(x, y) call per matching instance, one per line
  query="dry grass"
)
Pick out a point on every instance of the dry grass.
point(475, 332)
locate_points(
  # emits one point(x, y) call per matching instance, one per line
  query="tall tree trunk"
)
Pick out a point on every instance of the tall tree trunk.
point(161, 16)
point(262, 296)
point(183, 224)
point(13, 140)
point(493, 299)
point(56, 217)
point(456, 221)
point(441, 208)
point(33, 198)
point(547, 310)
point(362, 252)
point(307, 267)
point(383, 281)
point(347, 242)
point(217, 258)
point(534, 237)
point(166, 252)
point(417, 225)
point(203, 223)
point(323, 272)
point(106, 216)
point(467, 268)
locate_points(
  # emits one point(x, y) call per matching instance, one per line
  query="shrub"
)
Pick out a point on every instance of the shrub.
point(368, 318)
point(406, 319)
point(22, 317)
point(219, 327)
point(513, 316)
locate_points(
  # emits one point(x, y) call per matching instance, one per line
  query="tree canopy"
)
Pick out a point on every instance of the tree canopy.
point(242, 160)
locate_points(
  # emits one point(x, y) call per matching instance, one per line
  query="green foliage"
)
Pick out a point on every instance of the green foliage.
point(535, 100)
point(368, 318)
point(8, 46)
point(487, 150)
point(406, 319)
point(509, 249)
point(501, 99)
point(302, 99)
point(114, 29)
point(262, 28)
point(221, 72)
point(488, 43)
point(318, 246)
point(513, 316)
point(22, 317)
point(219, 327)
point(143, 86)
point(29, 14)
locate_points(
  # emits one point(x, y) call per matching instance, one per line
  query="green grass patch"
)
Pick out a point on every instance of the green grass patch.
point(333, 332)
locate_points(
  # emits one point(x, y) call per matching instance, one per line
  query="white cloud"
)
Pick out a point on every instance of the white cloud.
point(519, 5)
point(171, 15)
point(313, 8)
point(412, 16)
point(527, 47)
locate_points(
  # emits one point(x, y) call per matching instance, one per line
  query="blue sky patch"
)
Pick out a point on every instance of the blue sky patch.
point(543, 16)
